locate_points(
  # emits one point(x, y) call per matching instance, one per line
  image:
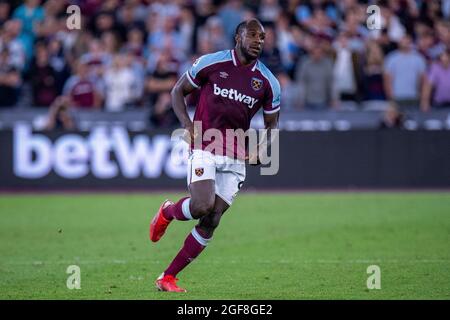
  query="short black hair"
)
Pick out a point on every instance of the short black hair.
point(241, 26)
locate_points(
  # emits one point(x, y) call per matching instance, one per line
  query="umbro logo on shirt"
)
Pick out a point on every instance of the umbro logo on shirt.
point(233, 94)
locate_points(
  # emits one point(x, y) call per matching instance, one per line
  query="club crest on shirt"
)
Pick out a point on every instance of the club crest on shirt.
point(256, 83)
point(199, 172)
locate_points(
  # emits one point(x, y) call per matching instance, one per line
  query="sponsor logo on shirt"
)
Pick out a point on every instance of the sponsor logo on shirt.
point(235, 95)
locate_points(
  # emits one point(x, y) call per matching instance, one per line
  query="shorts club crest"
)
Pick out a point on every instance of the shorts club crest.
point(228, 174)
point(199, 172)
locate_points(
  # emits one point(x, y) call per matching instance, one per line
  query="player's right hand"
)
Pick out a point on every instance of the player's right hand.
point(189, 133)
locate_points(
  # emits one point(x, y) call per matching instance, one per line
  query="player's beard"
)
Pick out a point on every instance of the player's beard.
point(248, 56)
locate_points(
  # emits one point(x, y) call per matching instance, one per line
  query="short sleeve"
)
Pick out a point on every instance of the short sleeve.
point(197, 73)
point(273, 97)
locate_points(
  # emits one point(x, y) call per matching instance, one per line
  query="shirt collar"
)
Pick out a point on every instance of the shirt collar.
point(238, 63)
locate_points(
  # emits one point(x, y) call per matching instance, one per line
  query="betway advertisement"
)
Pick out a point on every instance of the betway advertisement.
point(112, 158)
point(104, 157)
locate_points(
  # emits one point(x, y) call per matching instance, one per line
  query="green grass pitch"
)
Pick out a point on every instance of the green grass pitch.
point(268, 246)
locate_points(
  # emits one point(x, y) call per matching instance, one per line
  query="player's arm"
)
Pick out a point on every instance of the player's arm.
point(271, 120)
point(271, 108)
point(270, 123)
point(181, 89)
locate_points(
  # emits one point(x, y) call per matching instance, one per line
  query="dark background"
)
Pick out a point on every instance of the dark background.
point(316, 160)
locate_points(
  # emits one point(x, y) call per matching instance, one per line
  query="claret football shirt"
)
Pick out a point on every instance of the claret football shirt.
point(230, 95)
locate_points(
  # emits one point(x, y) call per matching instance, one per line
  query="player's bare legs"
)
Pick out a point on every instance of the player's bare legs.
point(202, 198)
point(210, 222)
point(198, 239)
point(199, 204)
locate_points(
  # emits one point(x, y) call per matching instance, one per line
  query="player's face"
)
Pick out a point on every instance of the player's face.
point(252, 40)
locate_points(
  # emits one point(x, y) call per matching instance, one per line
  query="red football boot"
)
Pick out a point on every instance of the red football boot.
point(159, 223)
point(168, 283)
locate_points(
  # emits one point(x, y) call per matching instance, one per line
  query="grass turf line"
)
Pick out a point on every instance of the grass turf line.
point(268, 246)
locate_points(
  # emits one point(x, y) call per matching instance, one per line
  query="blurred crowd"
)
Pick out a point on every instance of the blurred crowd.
point(129, 53)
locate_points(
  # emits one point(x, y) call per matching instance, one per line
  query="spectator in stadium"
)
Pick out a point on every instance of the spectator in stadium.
point(104, 21)
point(186, 30)
point(291, 93)
point(385, 43)
point(319, 23)
point(425, 45)
point(308, 13)
point(442, 28)
point(120, 86)
point(354, 29)
point(372, 83)
point(436, 89)
point(315, 76)
point(159, 40)
point(47, 28)
point(232, 13)
point(82, 90)
point(135, 43)
point(31, 14)
point(446, 9)
point(347, 72)
point(390, 22)
point(5, 10)
point(110, 45)
point(268, 11)
point(159, 84)
point(186, 22)
point(9, 39)
point(404, 72)
point(293, 43)
point(97, 58)
point(59, 117)
point(213, 32)
point(59, 62)
point(127, 19)
point(43, 77)
point(10, 80)
point(392, 118)
point(201, 11)
point(271, 56)
point(55, 8)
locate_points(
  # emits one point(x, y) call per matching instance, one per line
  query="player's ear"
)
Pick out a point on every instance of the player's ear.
point(237, 38)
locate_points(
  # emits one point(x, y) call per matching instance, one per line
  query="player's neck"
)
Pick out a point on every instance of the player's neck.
point(242, 59)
